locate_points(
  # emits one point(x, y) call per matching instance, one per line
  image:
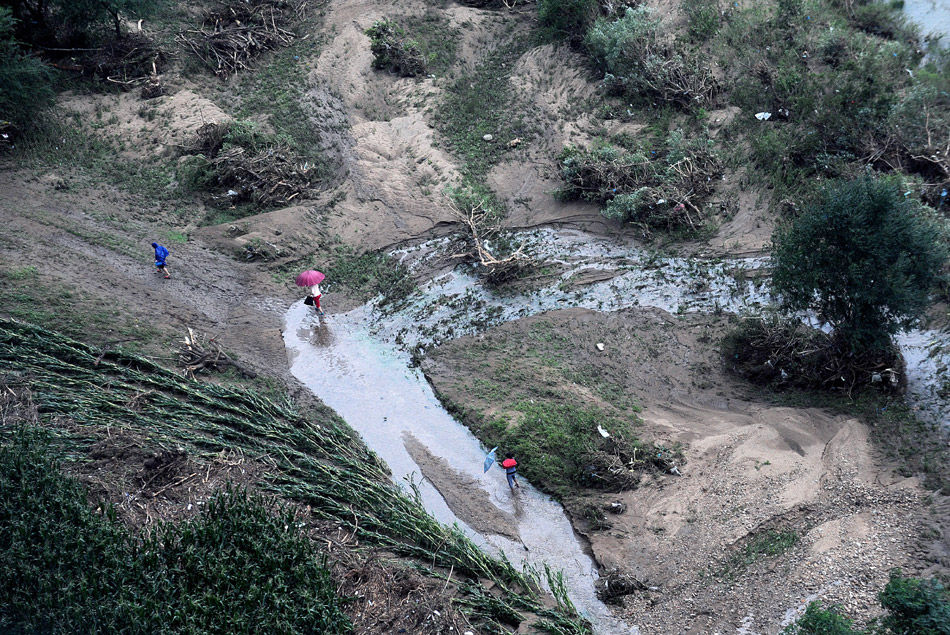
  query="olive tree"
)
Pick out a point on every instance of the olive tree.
point(864, 259)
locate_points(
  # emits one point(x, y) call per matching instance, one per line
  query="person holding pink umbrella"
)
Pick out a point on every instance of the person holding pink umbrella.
point(312, 279)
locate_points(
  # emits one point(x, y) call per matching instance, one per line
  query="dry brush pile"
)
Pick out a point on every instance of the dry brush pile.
point(787, 354)
point(664, 189)
point(249, 166)
point(235, 32)
point(393, 50)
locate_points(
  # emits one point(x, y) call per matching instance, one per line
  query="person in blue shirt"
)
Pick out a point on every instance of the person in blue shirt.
point(160, 255)
point(510, 466)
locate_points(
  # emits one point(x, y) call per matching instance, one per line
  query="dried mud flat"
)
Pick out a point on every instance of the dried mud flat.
point(753, 473)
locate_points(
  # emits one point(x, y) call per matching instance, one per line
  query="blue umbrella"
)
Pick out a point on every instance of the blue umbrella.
point(490, 458)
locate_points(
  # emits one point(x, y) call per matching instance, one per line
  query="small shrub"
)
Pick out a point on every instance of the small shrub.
point(638, 62)
point(567, 19)
point(393, 51)
point(702, 18)
point(820, 621)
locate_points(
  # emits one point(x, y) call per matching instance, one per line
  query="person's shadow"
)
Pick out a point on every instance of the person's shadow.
point(320, 334)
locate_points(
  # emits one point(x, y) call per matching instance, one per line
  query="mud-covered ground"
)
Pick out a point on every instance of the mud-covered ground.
point(774, 506)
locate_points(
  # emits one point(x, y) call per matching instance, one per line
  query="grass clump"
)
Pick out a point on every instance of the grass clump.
point(394, 51)
point(912, 605)
point(664, 189)
point(482, 103)
point(767, 544)
point(241, 565)
point(370, 274)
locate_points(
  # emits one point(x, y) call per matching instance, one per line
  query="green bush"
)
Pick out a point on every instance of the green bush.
point(26, 84)
point(393, 51)
point(915, 606)
point(702, 17)
point(664, 188)
point(240, 566)
point(821, 621)
point(864, 260)
point(640, 64)
point(567, 19)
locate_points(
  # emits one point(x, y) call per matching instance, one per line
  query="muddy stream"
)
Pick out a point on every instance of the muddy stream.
point(358, 364)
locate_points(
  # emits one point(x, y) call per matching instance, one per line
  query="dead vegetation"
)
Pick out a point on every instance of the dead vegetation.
point(235, 32)
point(614, 584)
point(128, 62)
point(199, 353)
point(787, 353)
point(498, 262)
point(266, 172)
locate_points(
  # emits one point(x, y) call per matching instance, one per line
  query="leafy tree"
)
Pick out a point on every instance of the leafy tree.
point(864, 260)
point(25, 82)
point(79, 14)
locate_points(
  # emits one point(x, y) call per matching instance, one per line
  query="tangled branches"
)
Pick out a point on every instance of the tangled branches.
point(253, 167)
point(786, 353)
point(486, 243)
point(660, 190)
point(198, 353)
point(240, 30)
point(128, 62)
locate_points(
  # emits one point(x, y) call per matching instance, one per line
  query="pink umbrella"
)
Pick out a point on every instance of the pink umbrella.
point(309, 278)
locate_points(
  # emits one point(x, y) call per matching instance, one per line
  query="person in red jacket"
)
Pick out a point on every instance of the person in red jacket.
point(511, 470)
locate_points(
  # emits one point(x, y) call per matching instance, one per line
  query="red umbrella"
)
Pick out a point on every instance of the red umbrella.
point(309, 278)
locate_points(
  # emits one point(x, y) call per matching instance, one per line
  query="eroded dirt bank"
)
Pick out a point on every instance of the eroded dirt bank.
point(776, 506)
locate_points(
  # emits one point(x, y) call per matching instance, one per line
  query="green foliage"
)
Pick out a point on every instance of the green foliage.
point(26, 84)
point(393, 51)
point(49, 16)
point(864, 260)
point(567, 19)
point(915, 606)
point(821, 621)
point(663, 188)
point(702, 17)
point(371, 273)
point(767, 544)
point(559, 449)
point(241, 565)
point(639, 63)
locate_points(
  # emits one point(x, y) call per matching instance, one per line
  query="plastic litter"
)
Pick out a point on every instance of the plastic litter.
point(603, 432)
point(763, 116)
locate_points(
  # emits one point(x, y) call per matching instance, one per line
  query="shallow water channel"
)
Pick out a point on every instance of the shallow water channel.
point(358, 364)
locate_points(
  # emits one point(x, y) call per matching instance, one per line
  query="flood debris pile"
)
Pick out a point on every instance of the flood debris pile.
point(788, 354)
point(198, 353)
point(614, 584)
point(486, 244)
point(235, 32)
point(665, 188)
point(394, 51)
point(314, 461)
point(128, 62)
point(240, 164)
